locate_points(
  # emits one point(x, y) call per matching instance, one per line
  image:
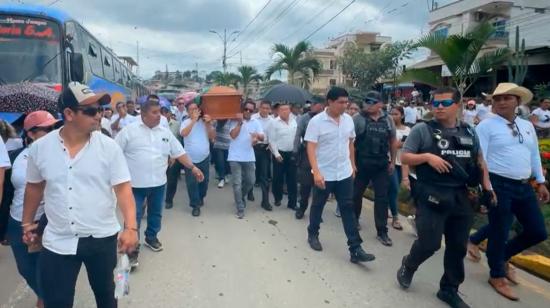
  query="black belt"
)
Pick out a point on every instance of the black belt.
point(505, 179)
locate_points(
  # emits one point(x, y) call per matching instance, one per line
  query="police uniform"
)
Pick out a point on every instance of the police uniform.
point(441, 199)
point(304, 176)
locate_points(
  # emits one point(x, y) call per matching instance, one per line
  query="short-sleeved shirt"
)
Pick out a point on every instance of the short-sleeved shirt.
point(4, 157)
point(266, 123)
point(78, 198)
point(543, 117)
point(333, 140)
point(196, 143)
point(19, 182)
point(400, 133)
point(411, 115)
point(420, 139)
point(240, 148)
point(127, 120)
point(147, 151)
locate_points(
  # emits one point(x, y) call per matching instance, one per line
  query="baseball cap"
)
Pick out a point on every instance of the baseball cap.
point(77, 94)
point(373, 96)
point(39, 118)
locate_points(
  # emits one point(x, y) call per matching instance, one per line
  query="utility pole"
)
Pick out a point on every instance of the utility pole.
point(137, 56)
point(224, 41)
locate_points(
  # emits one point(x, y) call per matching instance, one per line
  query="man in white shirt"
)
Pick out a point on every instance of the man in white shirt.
point(245, 133)
point(263, 155)
point(121, 119)
point(541, 118)
point(483, 111)
point(411, 115)
point(82, 175)
point(197, 131)
point(510, 147)
point(148, 147)
point(331, 153)
point(281, 141)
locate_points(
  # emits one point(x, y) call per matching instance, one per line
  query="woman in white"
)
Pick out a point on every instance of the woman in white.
point(469, 113)
point(36, 125)
point(401, 173)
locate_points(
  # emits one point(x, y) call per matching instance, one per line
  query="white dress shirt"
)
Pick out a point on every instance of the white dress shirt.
point(504, 154)
point(106, 124)
point(78, 198)
point(19, 182)
point(240, 148)
point(266, 123)
point(127, 120)
point(281, 136)
point(484, 112)
point(411, 115)
point(147, 151)
point(543, 117)
point(196, 143)
point(4, 157)
point(332, 139)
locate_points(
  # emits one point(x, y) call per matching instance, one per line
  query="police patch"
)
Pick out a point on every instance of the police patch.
point(443, 144)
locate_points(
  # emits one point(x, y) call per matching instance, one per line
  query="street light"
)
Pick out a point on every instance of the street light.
point(224, 41)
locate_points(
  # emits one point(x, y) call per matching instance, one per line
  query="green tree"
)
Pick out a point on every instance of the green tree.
point(247, 75)
point(227, 79)
point(295, 60)
point(461, 55)
point(210, 77)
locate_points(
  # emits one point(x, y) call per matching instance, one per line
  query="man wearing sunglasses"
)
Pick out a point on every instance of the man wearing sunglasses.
point(510, 147)
point(448, 159)
point(375, 139)
point(76, 169)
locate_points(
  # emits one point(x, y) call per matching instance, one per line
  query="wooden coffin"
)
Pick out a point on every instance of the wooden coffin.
point(221, 103)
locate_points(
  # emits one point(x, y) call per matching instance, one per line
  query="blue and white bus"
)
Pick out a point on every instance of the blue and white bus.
point(45, 46)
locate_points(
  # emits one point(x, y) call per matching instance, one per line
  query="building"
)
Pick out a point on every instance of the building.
point(331, 74)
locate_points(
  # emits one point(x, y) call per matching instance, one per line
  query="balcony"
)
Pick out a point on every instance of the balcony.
point(460, 7)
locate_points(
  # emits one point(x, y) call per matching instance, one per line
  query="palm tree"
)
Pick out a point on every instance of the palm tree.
point(227, 79)
point(295, 60)
point(461, 55)
point(248, 74)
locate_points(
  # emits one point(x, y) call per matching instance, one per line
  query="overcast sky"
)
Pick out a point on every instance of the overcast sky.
point(176, 32)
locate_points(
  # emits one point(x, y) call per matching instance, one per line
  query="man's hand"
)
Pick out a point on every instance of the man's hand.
point(439, 164)
point(279, 159)
point(197, 173)
point(319, 180)
point(195, 115)
point(239, 117)
point(127, 240)
point(543, 193)
point(254, 137)
point(391, 168)
point(29, 234)
point(354, 171)
point(207, 119)
point(406, 183)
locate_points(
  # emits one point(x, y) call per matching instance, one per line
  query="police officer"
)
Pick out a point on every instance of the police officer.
point(375, 132)
point(447, 158)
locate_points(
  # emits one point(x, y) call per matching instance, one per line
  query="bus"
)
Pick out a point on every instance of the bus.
point(45, 47)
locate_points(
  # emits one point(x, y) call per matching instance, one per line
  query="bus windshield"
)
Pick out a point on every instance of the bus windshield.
point(30, 49)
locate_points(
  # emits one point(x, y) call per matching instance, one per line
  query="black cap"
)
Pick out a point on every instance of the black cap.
point(373, 96)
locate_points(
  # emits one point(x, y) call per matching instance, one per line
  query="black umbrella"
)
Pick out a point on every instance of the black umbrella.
point(287, 93)
point(27, 97)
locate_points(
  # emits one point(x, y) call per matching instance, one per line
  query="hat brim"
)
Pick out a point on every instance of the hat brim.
point(101, 98)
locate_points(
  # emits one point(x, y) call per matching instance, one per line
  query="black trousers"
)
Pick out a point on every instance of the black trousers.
point(381, 183)
point(58, 273)
point(454, 221)
point(172, 176)
point(305, 178)
point(285, 171)
point(263, 164)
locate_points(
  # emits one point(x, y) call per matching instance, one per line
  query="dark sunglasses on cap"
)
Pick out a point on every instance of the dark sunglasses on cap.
point(90, 111)
point(446, 103)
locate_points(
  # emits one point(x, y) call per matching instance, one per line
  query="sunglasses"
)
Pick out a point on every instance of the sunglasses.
point(249, 110)
point(515, 131)
point(370, 102)
point(42, 129)
point(446, 103)
point(90, 111)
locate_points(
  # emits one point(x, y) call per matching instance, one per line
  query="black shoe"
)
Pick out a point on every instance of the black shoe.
point(277, 203)
point(314, 243)
point(299, 214)
point(154, 244)
point(201, 202)
point(384, 239)
point(168, 205)
point(359, 255)
point(250, 197)
point(452, 299)
point(292, 207)
point(267, 207)
point(196, 211)
point(404, 275)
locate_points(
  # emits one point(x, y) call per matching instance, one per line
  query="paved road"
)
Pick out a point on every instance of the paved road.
point(217, 260)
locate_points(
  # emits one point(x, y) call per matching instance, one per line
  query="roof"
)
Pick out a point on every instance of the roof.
point(429, 62)
point(35, 10)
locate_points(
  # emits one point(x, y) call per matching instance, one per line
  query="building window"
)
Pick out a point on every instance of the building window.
point(442, 32)
point(332, 65)
point(500, 29)
point(332, 82)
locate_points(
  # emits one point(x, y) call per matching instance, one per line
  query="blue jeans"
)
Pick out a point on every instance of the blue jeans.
point(517, 199)
point(395, 184)
point(220, 163)
point(154, 196)
point(197, 190)
point(27, 263)
point(343, 191)
point(243, 176)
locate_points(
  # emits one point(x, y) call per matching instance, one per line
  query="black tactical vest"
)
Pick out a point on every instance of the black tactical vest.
point(372, 142)
point(459, 149)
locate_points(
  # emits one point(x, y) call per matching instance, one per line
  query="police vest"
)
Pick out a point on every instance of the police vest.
point(459, 149)
point(372, 142)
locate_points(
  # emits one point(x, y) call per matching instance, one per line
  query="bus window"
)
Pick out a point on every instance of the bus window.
point(117, 75)
point(94, 58)
point(108, 65)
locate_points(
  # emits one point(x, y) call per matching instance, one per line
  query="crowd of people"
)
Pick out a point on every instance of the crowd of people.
point(63, 183)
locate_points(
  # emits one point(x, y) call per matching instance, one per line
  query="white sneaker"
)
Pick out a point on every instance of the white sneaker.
point(221, 183)
point(337, 212)
point(412, 222)
point(227, 179)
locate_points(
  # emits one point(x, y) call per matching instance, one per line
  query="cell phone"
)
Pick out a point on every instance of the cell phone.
point(403, 138)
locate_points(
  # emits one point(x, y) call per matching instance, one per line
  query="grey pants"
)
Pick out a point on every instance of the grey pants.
point(243, 178)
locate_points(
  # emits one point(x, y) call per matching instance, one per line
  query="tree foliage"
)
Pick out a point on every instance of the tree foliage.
point(295, 60)
point(247, 75)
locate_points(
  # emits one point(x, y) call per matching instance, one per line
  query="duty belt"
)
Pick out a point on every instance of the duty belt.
point(502, 178)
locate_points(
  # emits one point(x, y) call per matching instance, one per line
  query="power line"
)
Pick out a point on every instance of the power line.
point(300, 28)
point(331, 19)
point(253, 19)
point(53, 2)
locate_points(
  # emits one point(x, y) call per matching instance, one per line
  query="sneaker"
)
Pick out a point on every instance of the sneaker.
point(168, 205)
point(404, 275)
point(412, 222)
point(154, 244)
point(384, 239)
point(221, 183)
point(452, 299)
point(277, 203)
point(337, 212)
point(359, 255)
point(314, 243)
point(267, 207)
point(196, 211)
point(240, 214)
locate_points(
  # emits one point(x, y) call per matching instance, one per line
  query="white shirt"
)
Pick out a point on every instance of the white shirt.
point(281, 135)
point(106, 124)
point(484, 112)
point(410, 115)
point(503, 152)
point(163, 121)
point(332, 139)
point(196, 143)
point(78, 198)
point(180, 115)
point(13, 144)
point(19, 182)
point(240, 148)
point(399, 134)
point(468, 116)
point(543, 117)
point(147, 151)
point(127, 120)
point(266, 122)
